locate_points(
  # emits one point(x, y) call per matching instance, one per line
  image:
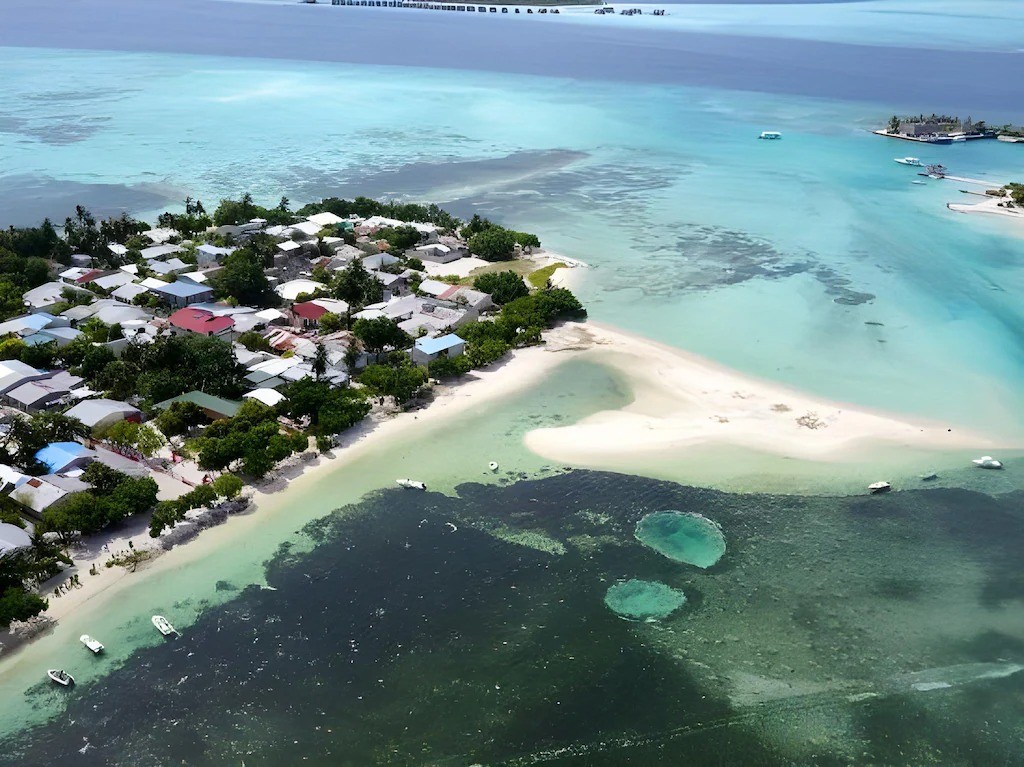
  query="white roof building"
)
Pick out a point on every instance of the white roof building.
point(159, 235)
point(159, 251)
point(50, 293)
point(325, 219)
point(13, 538)
point(128, 293)
point(113, 281)
point(268, 397)
point(98, 413)
point(288, 246)
point(292, 289)
point(308, 228)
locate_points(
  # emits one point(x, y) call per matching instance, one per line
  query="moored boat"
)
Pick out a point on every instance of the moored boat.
point(60, 676)
point(908, 161)
point(411, 484)
point(987, 462)
point(91, 643)
point(770, 135)
point(163, 625)
point(493, 466)
point(879, 487)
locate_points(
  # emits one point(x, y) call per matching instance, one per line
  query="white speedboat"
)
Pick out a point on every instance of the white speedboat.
point(60, 676)
point(411, 484)
point(91, 643)
point(879, 487)
point(909, 161)
point(493, 466)
point(163, 625)
point(987, 462)
point(770, 135)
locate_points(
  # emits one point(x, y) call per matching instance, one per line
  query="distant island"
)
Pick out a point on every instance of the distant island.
point(153, 371)
point(947, 129)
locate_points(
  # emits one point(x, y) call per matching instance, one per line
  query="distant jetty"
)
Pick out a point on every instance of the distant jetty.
point(527, 8)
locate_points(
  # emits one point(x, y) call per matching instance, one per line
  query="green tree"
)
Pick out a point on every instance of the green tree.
point(16, 604)
point(227, 486)
point(379, 334)
point(402, 382)
point(331, 323)
point(243, 278)
point(253, 341)
point(493, 244)
point(320, 361)
point(486, 352)
point(399, 238)
point(126, 434)
point(502, 286)
point(894, 124)
point(179, 417)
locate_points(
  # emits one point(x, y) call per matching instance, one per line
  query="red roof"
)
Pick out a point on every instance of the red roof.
point(309, 310)
point(91, 275)
point(200, 321)
point(450, 292)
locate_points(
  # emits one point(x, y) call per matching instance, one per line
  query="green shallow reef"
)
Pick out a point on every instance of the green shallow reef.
point(644, 600)
point(684, 537)
point(421, 629)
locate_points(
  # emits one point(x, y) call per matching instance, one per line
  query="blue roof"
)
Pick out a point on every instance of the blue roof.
point(183, 289)
point(440, 344)
point(57, 455)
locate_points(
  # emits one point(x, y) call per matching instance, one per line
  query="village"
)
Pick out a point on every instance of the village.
point(149, 374)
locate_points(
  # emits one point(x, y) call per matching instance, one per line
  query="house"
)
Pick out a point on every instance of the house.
point(62, 457)
point(79, 275)
point(43, 392)
point(289, 247)
point(101, 413)
point(434, 287)
point(59, 335)
point(307, 228)
point(107, 310)
point(14, 373)
point(13, 538)
point(170, 266)
point(201, 322)
point(211, 254)
point(10, 478)
point(436, 252)
point(38, 494)
point(394, 284)
point(426, 350)
point(117, 248)
point(51, 293)
point(292, 289)
point(325, 219)
point(198, 277)
point(308, 313)
point(128, 293)
point(182, 293)
point(214, 407)
point(268, 397)
point(380, 260)
point(159, 251)
point(113, 280)
point(476, 300)
point(344, 254)
point(159, 235)
point(30, 323)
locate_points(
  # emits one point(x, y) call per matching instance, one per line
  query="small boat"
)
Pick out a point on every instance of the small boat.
point(493, 466)
point(91, 643)
point(929, 477)
point(919, 182)
point(411, 484)
point(909, 161)
point(163, 625)
point(60, 676)
point(879, 487)
point(770, 135)
point(987, 462)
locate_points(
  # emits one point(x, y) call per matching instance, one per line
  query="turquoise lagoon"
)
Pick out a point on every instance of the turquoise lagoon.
point(813, 261)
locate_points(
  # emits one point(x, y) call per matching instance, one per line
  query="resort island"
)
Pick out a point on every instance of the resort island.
point(149, 374)
point(947, 129)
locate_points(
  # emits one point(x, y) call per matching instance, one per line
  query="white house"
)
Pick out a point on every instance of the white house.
point(292, 289)
point(100, 413)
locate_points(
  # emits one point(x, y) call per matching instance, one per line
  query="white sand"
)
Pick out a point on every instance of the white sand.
point(683, 401)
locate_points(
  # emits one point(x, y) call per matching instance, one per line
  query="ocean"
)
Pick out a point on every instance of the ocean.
point(833, 630)
point(422, 629)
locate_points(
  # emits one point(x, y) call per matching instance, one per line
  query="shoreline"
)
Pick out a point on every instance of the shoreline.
point(681, 404)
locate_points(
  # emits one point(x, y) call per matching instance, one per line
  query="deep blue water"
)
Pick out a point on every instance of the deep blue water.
point(914, 77)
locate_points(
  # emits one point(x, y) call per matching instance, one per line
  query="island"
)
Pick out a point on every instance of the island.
point(151, 372)
point(946, 129)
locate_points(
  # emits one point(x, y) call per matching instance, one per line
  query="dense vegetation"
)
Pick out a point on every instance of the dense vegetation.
point(22, 571)
point(330, 410)
point(1016, 193)
point(114, 496)
point(251, 440)
point(502, 286)
point(364, 207)
point(174, 365)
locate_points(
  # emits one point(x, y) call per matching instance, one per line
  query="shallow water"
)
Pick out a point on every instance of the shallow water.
point(825, 635)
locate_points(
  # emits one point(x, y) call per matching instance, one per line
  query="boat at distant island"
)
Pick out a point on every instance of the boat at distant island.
point(879, 487)
point(908, 161)
point(60, 676)
point(770, 135)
